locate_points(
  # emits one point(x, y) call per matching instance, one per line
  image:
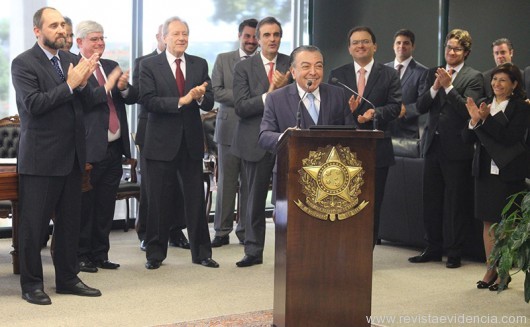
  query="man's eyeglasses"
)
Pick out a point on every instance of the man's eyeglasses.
point(97, 38)
point(357, 42)
point(456, 50)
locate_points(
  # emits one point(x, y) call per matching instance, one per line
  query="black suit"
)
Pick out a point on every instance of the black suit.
point(408, 126)
point(51, 157)
point(174, 148)
point(527, 81)
point(383, 89)
point(447, 184)
point(143, 206)
point(106, 158)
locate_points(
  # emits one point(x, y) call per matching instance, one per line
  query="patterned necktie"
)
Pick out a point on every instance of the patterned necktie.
point(180, 78)
point(312, 108)
point(399, 68)
point(55, 63)
point(114, 123)
point(361, 83)
point(271, 71)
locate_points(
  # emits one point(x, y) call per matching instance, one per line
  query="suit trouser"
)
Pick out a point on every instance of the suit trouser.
point(39, 198)
point(230, 175)
point(259, 178)
point(447, 196)
point(143, 207)
point(165, 179)
point(381, 174)
point(99, 203)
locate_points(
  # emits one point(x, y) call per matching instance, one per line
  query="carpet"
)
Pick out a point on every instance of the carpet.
point(249, 319)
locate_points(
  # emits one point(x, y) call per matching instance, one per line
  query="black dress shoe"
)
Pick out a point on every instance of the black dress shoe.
point(209, 262)
point(497, 287)
point(220, 241)
point(80, 289)
point(249, 260)
point(143, 245)
point(106, 264)
point(453, 262)
point(180, 242)
point(87, 266)
point(426, 256)
point(37, 297)
point(153, 264)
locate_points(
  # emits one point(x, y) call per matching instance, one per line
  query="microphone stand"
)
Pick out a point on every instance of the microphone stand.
point(299, 112)
point(335, 80)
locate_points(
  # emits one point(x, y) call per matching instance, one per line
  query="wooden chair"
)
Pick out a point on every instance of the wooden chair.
point(9, 136)
point(129, 187)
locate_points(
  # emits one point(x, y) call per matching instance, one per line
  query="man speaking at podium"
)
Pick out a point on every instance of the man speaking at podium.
point(304, 103)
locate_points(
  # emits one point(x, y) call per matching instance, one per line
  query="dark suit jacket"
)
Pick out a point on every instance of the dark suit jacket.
point(97, 116)
point(142, 112)
point(407, 126)
point(167, 124)
point(506, 132)
point(281, 107)
point(448, 113)
point(250, 83)
point(383, 89)
point(527, 81)
point(222, 83)
point(52, 132)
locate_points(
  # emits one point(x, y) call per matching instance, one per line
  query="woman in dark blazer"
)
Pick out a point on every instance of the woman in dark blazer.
point(498, 127)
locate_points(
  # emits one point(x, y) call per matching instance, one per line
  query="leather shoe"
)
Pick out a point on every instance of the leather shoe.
point(87, 266)
point(426, 256)
point(80, 289)
point(143, 245)
point(496, 287)
point(180, 242)
point(453, 262)
point(220, 241)
point(249, 260)
point(37, 297)
point(106, 264)
point(153, 264)
point(208, 262)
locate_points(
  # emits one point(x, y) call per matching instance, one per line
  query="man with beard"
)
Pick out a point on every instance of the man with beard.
point(51, 155)
point(229, 166)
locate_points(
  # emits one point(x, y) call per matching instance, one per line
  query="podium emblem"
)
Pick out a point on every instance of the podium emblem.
point(331, 178)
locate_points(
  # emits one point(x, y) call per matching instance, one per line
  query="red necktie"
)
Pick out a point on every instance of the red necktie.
point(180, 78)
point(271, 71)
point(114, 123)
point(362, 81)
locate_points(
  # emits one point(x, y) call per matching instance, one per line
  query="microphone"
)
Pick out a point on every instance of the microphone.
point(335, 80)
point(299, 112)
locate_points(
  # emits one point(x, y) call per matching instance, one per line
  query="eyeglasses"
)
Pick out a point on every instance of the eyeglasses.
point(357, 42)
point(97, 38)
point(456, 50)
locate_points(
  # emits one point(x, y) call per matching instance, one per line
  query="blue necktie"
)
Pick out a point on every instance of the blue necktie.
point(55, 63)
point(312, 108)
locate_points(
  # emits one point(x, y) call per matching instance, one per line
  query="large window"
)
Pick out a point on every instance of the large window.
point(213, 28)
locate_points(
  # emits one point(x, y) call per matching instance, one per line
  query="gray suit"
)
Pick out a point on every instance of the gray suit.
point(408, 126)
point(250, 83)
point(51, 158)
point(229, 165)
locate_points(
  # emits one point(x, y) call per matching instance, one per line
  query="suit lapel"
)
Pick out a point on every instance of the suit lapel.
point(372, 79)
point(294, 100)
point(261, 74)
point(234, 60)
point(41, 57)
point(167, 74)
point(324, 103)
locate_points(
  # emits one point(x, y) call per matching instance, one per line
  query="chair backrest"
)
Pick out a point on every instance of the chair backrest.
point(208, 126)
point(9, 136)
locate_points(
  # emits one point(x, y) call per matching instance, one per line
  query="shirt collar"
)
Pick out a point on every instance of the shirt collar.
point(368, 67)
point(457, 68)
point(405, 63)
point(49, 54)
point(171, 58)
point(266, 61)
point(243, 53)
point(301, 92)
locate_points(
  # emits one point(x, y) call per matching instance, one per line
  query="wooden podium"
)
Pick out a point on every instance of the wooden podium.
point(323, 267)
